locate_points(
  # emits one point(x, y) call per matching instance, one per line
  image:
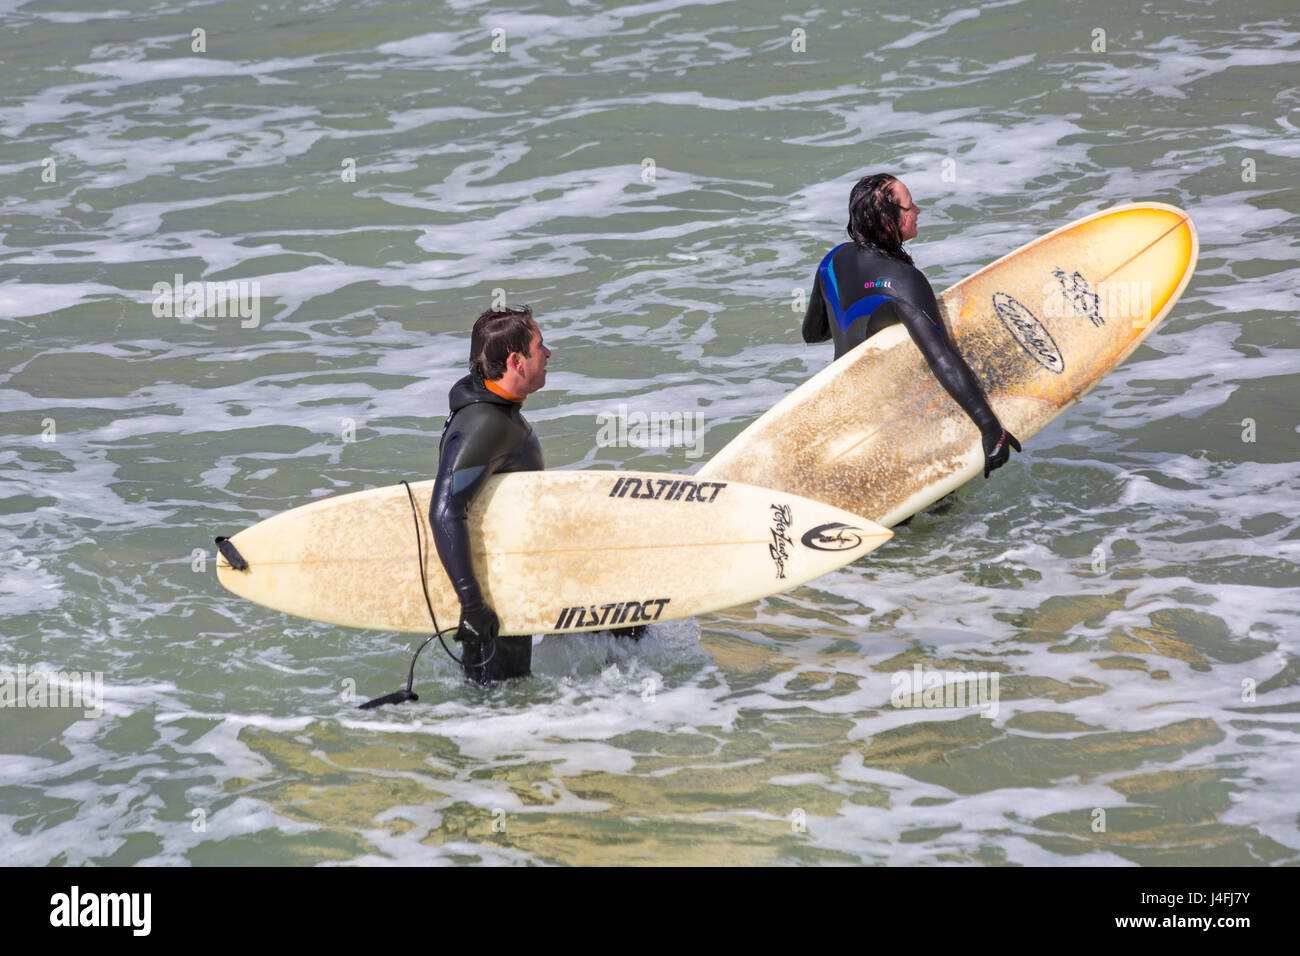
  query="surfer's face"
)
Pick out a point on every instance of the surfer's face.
point(532, 367)
point(907, 213)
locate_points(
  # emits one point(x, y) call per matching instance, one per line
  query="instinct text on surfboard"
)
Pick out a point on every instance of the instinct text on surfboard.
point(628, 611)
point(667, 489)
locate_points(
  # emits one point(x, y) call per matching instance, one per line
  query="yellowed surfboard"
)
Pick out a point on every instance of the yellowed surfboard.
point(554, 552)
point(874, 433)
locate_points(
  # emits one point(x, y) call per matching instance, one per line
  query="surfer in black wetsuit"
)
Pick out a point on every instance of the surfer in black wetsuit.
point(486, 435)
point(870, 283)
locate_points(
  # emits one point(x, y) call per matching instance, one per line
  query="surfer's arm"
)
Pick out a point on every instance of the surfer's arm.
point(915, 305)
point(470, 456)
point(816, 324)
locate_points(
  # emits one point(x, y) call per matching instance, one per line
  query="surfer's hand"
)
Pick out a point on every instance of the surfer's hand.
point(477, 622)
point(998, 443)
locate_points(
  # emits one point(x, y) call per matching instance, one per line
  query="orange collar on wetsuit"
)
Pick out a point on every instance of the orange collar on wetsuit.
point(845, 318)
point(498, 390)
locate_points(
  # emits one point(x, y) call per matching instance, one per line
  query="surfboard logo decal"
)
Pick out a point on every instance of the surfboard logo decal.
point(582, 615)
point(779, 549)
point(1029, 332)
point(666, 489)
point(835, 536)
point(1081, 297)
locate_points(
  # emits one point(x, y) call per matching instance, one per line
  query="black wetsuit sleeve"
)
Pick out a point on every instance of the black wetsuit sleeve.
point(816, 324)
point(918, 310)
point(473, 450)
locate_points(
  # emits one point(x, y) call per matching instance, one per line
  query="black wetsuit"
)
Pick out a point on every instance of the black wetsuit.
point(485, 435)
point(859, 291)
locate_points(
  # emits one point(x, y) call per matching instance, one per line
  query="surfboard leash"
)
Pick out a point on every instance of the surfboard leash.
point(401, 696)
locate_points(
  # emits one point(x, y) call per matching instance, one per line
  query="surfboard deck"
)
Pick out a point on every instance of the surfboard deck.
point(554, 552)
point(874, 433)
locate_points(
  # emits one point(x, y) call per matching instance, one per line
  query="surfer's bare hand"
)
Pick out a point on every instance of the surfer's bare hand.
point(997, 449)
point(477, 622)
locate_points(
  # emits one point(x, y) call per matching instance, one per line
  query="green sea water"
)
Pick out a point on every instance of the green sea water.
point(659, 182)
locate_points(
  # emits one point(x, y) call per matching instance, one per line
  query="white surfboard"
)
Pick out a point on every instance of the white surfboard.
point(554, 552)
point(874, 433)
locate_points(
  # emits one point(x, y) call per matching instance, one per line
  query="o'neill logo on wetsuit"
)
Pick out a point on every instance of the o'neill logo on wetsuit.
point(835, 536)
point(667, 489)
point(881, 283)
point(611, 614)
point(1029, 332)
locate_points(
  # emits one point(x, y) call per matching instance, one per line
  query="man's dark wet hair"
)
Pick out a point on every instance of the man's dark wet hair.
point(495, 336)
point(874, 215)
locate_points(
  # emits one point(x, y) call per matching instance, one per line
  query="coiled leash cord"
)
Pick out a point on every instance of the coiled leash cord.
point(401, 696)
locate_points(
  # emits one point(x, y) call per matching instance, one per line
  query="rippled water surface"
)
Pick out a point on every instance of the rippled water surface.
point(659, 181)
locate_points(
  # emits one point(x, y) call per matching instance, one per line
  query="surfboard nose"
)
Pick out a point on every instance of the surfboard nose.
point(826, 537)
point(1161, 250)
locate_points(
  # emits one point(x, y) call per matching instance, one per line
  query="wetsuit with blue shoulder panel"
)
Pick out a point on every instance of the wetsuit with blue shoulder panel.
point(870, 283)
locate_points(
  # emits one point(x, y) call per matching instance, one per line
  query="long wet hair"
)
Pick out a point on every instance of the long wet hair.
point(874, 216)
point(495, 336)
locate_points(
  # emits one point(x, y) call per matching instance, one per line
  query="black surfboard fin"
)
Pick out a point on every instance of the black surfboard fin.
point(231, 554)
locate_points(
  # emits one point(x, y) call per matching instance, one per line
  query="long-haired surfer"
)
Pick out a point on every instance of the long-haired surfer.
point(870, 283)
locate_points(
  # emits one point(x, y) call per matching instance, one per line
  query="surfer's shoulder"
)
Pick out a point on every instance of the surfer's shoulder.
point(483, 429)
point(870, 257)
point(910, 279)
point(480, 415)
